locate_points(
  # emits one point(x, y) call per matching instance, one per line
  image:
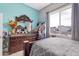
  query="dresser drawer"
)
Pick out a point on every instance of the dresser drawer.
point(16, 43)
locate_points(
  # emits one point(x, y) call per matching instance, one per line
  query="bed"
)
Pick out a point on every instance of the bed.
point(55, 46)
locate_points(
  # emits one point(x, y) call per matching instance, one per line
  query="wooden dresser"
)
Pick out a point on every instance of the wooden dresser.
point(16, 41)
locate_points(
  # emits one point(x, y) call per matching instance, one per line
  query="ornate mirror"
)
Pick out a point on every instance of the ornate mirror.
point(17, 27)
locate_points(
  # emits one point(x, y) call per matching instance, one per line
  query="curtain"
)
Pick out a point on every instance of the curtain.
point(75, 21)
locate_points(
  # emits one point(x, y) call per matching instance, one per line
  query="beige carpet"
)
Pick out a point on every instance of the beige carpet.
point(20, 53)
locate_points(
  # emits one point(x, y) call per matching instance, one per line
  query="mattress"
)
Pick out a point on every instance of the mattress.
point(55, 46)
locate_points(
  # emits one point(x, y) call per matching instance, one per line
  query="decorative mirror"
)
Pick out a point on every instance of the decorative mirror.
point(18, 28)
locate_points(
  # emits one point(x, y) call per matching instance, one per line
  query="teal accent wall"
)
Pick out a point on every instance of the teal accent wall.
point(17, 9)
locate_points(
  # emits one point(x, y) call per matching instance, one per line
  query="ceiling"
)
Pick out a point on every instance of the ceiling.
point(37, 6)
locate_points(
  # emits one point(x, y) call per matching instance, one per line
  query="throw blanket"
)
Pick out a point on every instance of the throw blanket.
point(55, 46)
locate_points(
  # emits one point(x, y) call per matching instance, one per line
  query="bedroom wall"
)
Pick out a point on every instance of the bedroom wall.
point(17, 9)
point(44, 14)
point(1, 41)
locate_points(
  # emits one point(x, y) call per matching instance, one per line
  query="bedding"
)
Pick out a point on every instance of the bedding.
point(55, 46)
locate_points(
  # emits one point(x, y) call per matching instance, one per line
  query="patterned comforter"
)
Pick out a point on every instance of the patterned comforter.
point(55, 47)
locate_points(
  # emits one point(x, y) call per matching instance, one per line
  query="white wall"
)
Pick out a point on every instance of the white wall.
point(1, 17)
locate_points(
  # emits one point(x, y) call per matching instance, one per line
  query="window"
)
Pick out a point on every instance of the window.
point(66, 17)
point(54, 20)
point(60, 19)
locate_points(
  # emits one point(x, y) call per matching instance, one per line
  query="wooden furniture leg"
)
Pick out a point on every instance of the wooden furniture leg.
point(27, 47)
